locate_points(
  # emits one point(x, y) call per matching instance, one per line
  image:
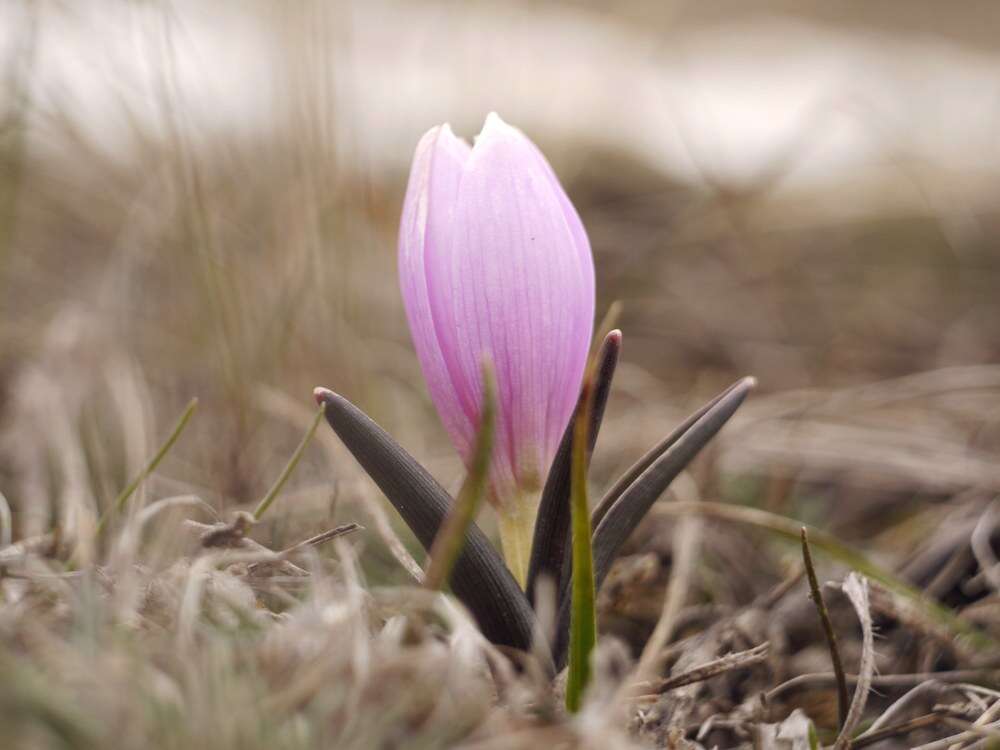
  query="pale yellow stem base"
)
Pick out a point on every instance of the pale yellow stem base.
point(516, 521)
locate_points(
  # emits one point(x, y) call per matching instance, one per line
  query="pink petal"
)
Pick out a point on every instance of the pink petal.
point(430, 196)
point(512, 278)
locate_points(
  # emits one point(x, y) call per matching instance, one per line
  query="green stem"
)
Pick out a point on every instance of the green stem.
point(125, 494)
point(272, 493)
point(516, 523)
point(583, 615)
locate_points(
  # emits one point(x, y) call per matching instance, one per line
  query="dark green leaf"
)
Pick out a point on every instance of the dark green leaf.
point(552, 526)
point(480, 578)
point(622, 515)
point(625, 480)
point(629, 509)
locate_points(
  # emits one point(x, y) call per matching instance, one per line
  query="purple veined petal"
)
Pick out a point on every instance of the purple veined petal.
point(571, 383)
point(430, 198)
point(513, 280)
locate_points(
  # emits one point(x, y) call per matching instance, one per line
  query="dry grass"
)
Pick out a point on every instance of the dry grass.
point(171, 260)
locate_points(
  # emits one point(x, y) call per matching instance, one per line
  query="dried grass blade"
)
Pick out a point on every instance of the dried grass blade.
point(856, 589)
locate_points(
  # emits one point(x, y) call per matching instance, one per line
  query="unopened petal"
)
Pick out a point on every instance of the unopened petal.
point(514, 282)
point(430, 199)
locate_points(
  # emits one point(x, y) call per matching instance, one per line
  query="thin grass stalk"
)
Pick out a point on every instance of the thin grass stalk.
point(451, 538)
point(843, 699)
point(123, 497)
point(272, 493)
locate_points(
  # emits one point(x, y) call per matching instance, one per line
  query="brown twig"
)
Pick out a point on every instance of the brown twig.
point(313, 541)
point(326, 536)
point(899, 729)
point(986, 731)
point(727, 663)
point(831, 636)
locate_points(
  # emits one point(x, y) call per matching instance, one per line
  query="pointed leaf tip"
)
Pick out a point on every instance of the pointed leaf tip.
point(632, 505)
point(323, 395)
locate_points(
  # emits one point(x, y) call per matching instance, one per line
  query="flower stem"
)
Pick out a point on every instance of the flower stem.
point(516, 522)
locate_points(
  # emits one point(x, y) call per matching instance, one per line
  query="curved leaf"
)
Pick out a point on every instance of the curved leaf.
point(636, 470)
point(625, 514)
point(630, 506)
point(480, 578)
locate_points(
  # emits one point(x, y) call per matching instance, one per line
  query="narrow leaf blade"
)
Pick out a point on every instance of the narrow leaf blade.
point(625, 514)
point(635, 471)
point(583, 618)
point(480, 578)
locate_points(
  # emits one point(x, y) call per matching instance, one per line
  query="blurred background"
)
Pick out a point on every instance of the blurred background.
point(201, 200)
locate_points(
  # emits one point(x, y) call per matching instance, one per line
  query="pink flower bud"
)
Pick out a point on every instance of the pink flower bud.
point(495, 263)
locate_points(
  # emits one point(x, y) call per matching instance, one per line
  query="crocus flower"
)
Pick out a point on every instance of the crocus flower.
point(495, 264)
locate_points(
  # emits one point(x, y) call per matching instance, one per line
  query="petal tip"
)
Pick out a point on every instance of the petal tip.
point(446, 140)
point(496, 128)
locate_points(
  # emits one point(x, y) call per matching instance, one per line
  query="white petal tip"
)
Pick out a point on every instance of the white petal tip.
point(495, 127)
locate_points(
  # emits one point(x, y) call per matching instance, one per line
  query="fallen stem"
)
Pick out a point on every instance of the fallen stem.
point(920, 722)
point(727, 663)
point(322, 538)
